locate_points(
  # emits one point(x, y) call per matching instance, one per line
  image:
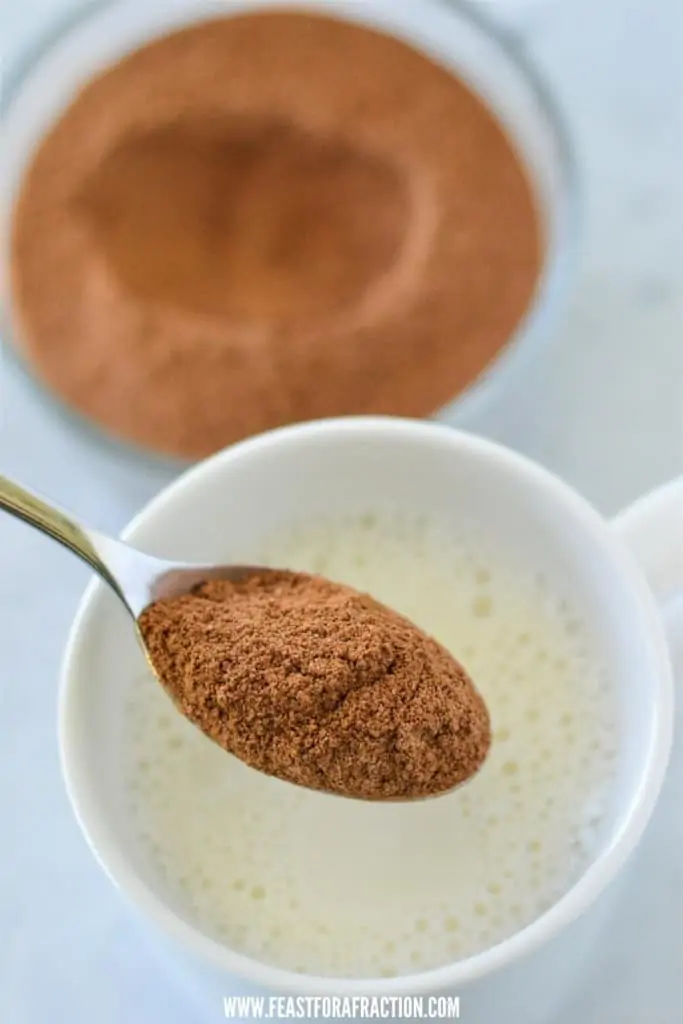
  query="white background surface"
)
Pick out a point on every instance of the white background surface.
point(603, 408)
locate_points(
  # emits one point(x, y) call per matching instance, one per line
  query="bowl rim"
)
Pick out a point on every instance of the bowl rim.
point(558, 271)
point(576, 900)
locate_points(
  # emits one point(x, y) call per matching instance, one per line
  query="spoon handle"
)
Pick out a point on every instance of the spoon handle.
point(60, 526)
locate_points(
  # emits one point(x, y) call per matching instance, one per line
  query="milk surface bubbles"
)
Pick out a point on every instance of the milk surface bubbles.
point(324, 885)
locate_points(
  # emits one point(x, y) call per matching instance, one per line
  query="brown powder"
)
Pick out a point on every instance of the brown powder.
point(319, 685)
point(265, 219)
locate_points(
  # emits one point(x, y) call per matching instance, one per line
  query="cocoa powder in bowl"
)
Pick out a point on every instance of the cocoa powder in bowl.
point(269, 218)
point(319, 685)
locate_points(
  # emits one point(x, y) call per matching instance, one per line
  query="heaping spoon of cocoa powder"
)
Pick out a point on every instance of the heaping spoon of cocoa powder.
point(300, 678)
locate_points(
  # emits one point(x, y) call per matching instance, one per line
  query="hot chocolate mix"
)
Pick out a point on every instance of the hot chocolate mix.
point(264, 219)
point(319, 685)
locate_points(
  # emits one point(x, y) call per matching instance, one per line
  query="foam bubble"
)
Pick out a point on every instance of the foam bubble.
point(336, 887)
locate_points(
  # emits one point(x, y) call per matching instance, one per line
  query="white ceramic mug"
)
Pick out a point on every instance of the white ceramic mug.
point(222, 509)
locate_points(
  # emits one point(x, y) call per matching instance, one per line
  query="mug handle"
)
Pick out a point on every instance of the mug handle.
point(652, 530)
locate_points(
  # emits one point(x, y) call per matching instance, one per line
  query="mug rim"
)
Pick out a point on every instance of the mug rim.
point(572, 904)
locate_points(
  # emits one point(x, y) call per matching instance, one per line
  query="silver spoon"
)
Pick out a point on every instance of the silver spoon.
point(139, 580)
point(136, 578)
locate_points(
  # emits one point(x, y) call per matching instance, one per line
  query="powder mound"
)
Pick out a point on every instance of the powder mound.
point(230, 230)
point(319, 685)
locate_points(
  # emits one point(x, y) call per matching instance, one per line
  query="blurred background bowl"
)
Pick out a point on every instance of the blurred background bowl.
point(459, 36)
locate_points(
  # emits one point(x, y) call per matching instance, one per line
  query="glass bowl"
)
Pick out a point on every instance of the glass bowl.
point(457, 35)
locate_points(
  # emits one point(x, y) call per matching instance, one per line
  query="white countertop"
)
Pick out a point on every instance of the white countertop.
point(604, 408)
